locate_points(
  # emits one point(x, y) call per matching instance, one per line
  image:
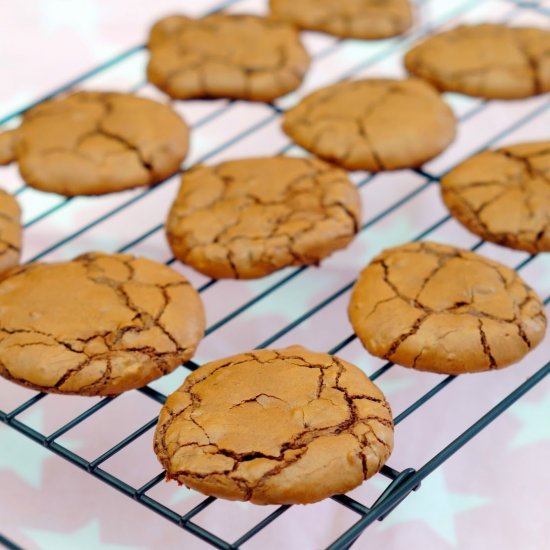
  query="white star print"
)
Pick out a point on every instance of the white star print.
point(435, 505)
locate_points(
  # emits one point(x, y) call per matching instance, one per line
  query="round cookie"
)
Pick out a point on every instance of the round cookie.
point(374, 125)
point(250, 217)
point(504, 195)
point(347, 18)
point(234, 56)
point(91, 143)
point(285, 426)
point(10, 232)
point(98, 325)
point(491, 61)
point(442, 309)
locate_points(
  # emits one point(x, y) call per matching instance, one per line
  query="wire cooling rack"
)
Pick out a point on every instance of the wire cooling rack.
point(58, 227)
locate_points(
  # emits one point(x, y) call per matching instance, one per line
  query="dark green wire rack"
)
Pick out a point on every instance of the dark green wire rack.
point(402, 482)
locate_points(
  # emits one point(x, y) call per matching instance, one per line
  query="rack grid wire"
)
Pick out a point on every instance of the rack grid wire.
point(401, 482)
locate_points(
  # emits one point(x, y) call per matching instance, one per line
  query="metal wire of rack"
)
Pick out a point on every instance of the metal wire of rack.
point(401, 482)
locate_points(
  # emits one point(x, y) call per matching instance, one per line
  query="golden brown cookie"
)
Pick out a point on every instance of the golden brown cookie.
point(10, 232)
point(98, 325)
point(285, 426)
point(91, 143)
point(375, 124)
point(247, 218)
point(234, 56)
point(347, 18)
point(443, 309)
point(491, 61)
point(504, 195)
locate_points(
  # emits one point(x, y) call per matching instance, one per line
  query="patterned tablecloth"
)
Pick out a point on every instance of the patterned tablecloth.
point(494, 493)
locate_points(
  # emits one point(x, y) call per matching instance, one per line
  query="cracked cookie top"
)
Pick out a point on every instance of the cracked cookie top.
point(10, 232)
point(234, 56)
point(285, 426)
point(250, 217)
point(91, 143)
point(98, 325)
point(504, 195)
point(491, 61)
point(347, 18)
point(375, 124)
point(443, 309)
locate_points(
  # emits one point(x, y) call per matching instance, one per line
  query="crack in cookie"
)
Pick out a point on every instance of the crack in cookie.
point(248, 218)
point(375, 124)
point(275, 427)
point(370, 19)
point(442, 309)
point(491, 61)
point(91, 143)
point(504, 195)
point(98, 325)
point(234, 56)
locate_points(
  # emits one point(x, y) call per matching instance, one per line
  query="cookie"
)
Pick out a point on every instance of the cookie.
point(491, 61)
point(10, 232)
point(91, 143)
point(233, 56)
point(98, 325)
point(347, 18)
point(247, 218)
point(286, 426)
point(374, 125)
point(442, 309)
point(504, 195)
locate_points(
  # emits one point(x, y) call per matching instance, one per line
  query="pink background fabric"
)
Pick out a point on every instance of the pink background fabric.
point(494, 493)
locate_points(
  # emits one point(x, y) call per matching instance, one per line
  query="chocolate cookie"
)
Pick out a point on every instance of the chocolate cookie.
point(443, 309)
point(492, 61)
point(91, 143)
point(248, 218)
point(504, 195)
point(286, 426)
point(10, 232)
point(98, 325)
point(235, 56)
point(347, 18)
point(374, 125)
